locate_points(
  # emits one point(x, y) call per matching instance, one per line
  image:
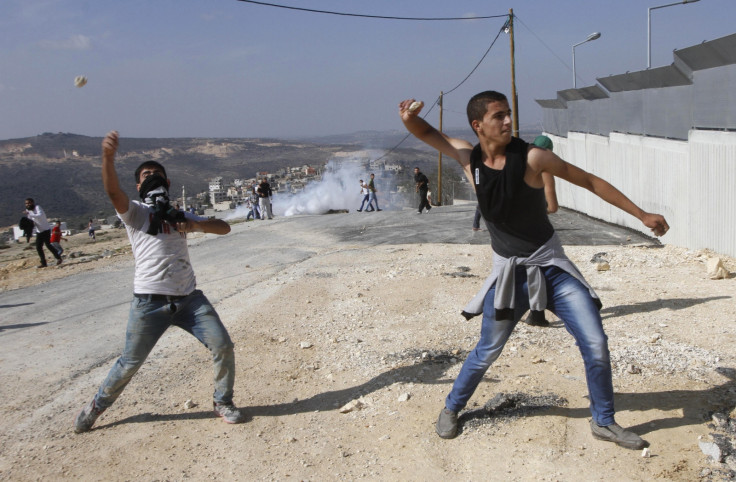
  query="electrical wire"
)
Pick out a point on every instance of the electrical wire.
point(448, 92)
point(311, 10)
point(544, 44)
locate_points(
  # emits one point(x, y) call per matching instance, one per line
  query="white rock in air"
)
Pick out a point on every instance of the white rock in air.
point(80, 80)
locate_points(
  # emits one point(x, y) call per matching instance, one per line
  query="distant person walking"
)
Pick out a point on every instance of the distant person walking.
point(165, 292)
point(422, 187)
point(254, 200)
point(35, 213)
point(365, 192)
point(264, 198)
point(91, 229)
point(56, 238)
point(372, 188)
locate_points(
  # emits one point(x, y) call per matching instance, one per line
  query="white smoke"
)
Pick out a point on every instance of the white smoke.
point(338, 189)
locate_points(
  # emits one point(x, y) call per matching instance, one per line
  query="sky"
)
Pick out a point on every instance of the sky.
point(228, 68)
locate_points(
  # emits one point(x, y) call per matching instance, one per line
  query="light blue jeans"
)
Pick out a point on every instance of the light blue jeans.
point(572, 303)
point(148, 320)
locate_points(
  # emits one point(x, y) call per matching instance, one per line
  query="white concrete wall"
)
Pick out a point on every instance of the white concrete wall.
point(693, 183)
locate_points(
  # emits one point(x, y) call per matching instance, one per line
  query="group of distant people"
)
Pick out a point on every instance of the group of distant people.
point(258, 202)
point(368, 191)
point(530, 270)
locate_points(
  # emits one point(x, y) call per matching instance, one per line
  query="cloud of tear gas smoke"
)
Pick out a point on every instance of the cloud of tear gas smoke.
point(338, 189)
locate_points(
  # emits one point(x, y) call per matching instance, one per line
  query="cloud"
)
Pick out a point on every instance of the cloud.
point(75, 42)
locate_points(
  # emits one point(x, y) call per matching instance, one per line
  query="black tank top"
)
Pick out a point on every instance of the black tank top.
point(514, 212)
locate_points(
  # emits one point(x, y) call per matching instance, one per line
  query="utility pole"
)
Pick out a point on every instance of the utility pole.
point(439, 170)
point(514, 97)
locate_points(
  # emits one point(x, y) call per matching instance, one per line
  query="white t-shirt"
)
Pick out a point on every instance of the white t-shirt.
point(162, 265)
point(39, 219)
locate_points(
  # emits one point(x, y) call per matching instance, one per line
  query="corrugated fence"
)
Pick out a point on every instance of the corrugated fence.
point(691, 183)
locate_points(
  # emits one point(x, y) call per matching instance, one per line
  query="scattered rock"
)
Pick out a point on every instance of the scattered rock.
point(646, 453)
point(602, 266)
point(712, 450)
point(720, 420)
point(356, 404)
point(189, 404)
point(715, 268)
point(305, 345)
point(633, 369)
point(404, 397)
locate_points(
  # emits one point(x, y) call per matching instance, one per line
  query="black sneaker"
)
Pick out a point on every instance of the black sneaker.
point(229, 413)
point(618, 435)
point(87, 417)
point(446, 426)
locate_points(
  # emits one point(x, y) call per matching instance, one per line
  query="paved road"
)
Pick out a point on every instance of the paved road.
point(78, 322)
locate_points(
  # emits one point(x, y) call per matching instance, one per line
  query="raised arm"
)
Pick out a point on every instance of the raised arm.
point(457, 149)
point(541, 161)
point(110, 181)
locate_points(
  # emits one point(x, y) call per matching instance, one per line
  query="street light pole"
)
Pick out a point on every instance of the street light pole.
point(591, 37)
point(649, 26)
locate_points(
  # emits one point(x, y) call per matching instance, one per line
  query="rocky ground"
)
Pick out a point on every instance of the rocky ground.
point(344, 360)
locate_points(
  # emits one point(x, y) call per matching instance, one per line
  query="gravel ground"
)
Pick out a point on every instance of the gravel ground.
point(360, 321)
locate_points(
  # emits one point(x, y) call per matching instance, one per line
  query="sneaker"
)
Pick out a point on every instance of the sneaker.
point(446, 426)
point(618, 435)
point(379, 209)
point(87, 417)
point(359, 210)
point(41, 266)
point(58, 262)
point(229, 413)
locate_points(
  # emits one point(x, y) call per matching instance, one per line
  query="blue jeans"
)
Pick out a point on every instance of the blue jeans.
point(148, 320)
point(572, 303)
point(365, 200)
point(373, 200)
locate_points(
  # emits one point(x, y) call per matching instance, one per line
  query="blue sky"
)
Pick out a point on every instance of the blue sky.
point(225, 68)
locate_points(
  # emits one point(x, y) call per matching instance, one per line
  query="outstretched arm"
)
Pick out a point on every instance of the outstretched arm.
point(547, 162)
point(212, 226)
point(110, 181)
point(457, 149)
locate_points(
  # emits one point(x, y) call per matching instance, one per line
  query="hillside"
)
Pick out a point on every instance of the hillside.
point(62, 171)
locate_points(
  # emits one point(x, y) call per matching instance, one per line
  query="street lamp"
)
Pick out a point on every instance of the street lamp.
point(591, 37)
point(649, 26)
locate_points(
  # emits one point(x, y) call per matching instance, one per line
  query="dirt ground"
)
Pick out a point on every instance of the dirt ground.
point(381, 325)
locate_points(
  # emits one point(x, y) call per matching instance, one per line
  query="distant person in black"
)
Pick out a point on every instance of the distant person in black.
point(26, 225)
point(422, 188)
point(264, 195)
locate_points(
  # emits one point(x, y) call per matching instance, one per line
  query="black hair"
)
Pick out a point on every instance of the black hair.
point(478, 104)
point(30, 199)
point(148, 164)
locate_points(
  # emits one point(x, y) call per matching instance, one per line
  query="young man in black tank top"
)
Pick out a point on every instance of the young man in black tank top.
point(507, 174)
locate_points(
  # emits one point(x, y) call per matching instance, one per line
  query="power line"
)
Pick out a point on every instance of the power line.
point(544, 44)
point(369, 16)
point(449, 91)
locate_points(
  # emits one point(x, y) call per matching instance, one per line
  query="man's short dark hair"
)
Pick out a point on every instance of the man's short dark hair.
point(30, 199)
point(478, 104)
point(148, 164)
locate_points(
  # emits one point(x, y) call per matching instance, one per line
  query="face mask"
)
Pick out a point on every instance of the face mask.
point(154, 192)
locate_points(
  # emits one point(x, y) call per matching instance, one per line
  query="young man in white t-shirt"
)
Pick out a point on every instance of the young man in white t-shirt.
point(164, 287)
